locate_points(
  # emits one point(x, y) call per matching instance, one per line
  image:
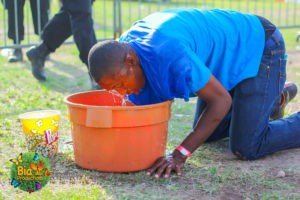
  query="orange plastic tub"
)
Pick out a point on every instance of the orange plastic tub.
point(114, 138)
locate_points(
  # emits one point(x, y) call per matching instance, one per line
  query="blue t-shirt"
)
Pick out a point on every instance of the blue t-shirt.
point(180, 48)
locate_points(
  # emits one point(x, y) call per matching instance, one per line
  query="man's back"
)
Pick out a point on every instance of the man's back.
point(188, 44)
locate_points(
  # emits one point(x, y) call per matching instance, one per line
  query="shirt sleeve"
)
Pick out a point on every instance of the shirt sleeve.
point(199, 73)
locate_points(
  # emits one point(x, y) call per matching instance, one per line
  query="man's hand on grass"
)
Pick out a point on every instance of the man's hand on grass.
point(167, 164)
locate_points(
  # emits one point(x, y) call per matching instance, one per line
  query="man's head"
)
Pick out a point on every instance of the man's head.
point(115, 66)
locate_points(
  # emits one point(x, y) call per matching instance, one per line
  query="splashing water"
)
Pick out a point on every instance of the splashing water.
point(125, 99)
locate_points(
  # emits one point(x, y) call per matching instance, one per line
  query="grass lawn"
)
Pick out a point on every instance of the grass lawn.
point(212, 172)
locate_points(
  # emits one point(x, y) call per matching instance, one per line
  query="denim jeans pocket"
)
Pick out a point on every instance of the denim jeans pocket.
point(256, 85)
point(265, 65)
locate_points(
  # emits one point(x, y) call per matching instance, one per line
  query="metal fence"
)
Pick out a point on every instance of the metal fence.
point(111, 17)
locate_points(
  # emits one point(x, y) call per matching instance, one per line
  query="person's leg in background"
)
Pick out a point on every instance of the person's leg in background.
point(80, 12)
point(55, 32)
point(73, 18)
point(16, 35)
point(252, 135)
point(44, 14)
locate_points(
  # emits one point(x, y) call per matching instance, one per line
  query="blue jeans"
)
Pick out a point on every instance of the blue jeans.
point(251, 134)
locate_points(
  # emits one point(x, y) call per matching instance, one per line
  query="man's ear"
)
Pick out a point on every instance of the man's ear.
point(130, 60)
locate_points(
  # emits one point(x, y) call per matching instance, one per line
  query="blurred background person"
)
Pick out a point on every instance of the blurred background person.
point(74, 18)
point(18, 35)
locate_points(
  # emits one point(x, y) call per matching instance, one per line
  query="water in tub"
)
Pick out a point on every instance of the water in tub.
point(124, 98)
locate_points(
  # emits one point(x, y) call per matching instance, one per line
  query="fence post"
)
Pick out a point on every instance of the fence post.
point(117, 19)
point(4, 22)
point(16, 23)
point(39, 18)
point(120, 18)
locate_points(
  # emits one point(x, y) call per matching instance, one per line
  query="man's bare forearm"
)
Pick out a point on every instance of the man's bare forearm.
point(210, 119)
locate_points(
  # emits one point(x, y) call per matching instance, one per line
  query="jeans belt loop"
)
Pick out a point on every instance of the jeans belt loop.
point(273, 39)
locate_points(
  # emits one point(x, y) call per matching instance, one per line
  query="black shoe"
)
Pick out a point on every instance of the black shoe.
point(37, 56)
point(288, 93)
point(16, 56)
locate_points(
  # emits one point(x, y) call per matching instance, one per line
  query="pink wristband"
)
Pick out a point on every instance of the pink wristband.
point(183, 151)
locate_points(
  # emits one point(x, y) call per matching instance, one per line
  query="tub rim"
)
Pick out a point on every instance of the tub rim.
point(141, 107)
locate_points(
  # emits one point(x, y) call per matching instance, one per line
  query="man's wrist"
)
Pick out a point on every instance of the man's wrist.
point(179, 155)
point(183, 151)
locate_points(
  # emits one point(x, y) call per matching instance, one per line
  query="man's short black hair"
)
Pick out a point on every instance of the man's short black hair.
point(105, 57)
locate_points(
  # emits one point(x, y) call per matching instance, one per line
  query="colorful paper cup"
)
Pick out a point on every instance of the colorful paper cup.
point(41, 131)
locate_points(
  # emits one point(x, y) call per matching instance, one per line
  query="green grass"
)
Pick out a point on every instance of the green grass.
point(208, 173)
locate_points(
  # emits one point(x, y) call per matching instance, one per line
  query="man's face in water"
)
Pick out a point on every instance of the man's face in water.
point(125, 80)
